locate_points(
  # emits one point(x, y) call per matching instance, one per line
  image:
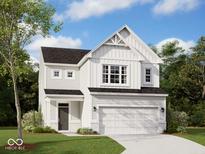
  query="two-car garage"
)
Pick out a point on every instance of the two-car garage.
point(128, 111)
point(128, 120)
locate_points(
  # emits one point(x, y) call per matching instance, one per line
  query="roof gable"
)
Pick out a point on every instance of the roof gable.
point(62, 55)
point(133, 42)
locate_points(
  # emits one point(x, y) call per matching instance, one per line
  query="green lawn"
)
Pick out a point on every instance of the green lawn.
point(195, 134)
point(61, 144)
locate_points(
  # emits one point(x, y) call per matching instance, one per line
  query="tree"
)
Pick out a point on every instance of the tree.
point(20, 20)
point(182, 76)
point(199, 56)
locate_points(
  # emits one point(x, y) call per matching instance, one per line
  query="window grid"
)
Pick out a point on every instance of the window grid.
point(56, 73)
point(148, 75)
point(114, 74)
point(69, 74)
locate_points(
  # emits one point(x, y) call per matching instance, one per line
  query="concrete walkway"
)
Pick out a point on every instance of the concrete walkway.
point(158, 144)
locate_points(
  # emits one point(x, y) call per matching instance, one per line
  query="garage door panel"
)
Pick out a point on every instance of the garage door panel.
point(108, 116)
point(118, 120)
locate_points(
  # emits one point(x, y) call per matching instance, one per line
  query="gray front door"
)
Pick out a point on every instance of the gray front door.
point(63, 111)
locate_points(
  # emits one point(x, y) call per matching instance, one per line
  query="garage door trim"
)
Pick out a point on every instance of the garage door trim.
point(127, 106)
point(131, 106)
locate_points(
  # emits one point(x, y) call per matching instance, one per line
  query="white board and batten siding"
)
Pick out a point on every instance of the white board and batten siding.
point(120, 55)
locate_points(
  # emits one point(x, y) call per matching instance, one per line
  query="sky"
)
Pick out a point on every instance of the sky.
point(86, 23)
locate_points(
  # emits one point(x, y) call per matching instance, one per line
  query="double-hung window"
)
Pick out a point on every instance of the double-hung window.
point(114, 74)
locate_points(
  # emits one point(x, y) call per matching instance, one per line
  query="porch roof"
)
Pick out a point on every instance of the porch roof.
point(62, 92)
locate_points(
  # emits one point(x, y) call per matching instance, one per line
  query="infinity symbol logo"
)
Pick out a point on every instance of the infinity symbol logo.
point(18, 142)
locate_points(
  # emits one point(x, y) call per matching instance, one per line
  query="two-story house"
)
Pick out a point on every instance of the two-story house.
point(113, 88)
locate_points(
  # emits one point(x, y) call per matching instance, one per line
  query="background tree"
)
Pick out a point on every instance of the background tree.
point(20, 20)
point(182, 78)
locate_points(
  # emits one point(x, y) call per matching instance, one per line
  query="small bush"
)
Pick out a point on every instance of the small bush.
point(198, 119)
point(32, 119)
point(182, 121)
point(176, 121)
point(38, 130)
point(29, 129)
point(86, 131)
point(181, 129)
point(43, 130)
point(48, 129)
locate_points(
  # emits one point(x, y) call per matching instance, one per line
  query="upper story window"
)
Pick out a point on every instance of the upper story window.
point(56, 74)
point(114, 74)
point(69, 74)
point(148, 75)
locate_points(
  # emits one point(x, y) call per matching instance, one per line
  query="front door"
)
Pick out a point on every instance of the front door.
point(63, 112)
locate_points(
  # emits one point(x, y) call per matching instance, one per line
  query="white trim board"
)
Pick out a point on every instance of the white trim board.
point(129, 106)
point(127, 94)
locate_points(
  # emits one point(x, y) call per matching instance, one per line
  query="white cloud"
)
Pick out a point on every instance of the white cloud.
point(186, 45)
point(83, 9)
point(52, 41)
point(166, 7)
point(78, 10)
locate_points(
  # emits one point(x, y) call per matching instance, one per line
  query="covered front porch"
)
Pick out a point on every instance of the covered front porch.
point(63, 112)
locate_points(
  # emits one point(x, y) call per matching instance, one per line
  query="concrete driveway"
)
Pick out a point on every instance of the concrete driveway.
point(158, 144)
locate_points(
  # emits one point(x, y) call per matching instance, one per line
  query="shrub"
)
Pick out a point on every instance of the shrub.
point(198, 119)
point(181, 118)
point(29, 128)
point(181, 129)
point(48, 129)
point(86, 131)
point(38, 130)
point(32, 119)
point(43, 130)
point(176, 121)
point(198, 115)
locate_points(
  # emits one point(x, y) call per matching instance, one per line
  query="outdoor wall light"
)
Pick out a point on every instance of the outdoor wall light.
point(162, 109)
point(94, 108)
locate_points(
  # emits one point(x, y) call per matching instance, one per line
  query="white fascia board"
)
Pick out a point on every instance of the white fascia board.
point(59, 64)
point(65, 97)
point(127, 94)
point(160, 61)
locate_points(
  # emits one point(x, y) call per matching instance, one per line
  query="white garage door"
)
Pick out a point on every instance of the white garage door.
point(118, 120)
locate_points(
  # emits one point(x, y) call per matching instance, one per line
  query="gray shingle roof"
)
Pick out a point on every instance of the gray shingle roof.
point(63, 92)
point(63, 55)
point(146, 90)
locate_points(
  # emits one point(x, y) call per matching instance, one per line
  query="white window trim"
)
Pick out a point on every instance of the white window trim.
point(114, 84)
point(151, 76)
point(66, 72)
point(55, 77)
